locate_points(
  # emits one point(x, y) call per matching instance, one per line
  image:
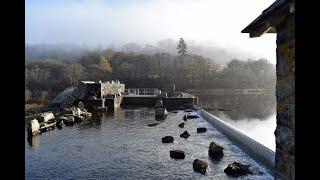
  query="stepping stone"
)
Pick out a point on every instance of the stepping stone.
point(167, 139)
point(237, 169)
point(200, 166)
point(215, 151)
point(185, 134)
point(177, 154)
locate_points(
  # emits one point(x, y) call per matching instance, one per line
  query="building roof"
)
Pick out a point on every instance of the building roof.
point(264, 23)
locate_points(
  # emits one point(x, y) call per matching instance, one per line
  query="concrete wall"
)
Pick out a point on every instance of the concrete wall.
point(169, 103)
point(285, 92)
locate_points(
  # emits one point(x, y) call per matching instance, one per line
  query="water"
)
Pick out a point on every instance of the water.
point(122, 146)
point(254, 115)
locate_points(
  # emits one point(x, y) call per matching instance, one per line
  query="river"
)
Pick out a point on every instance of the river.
point(254, 114)
point(122, 146)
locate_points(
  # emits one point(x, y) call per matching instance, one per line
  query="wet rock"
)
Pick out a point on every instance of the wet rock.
point(177, 154)
point(69, 121)
point(200, 166)
point(181, 125)
point(215, 151)
point(185, 134)
point(201, 130)
point(152, 124)
point(46, 116)
point(78, 119)
point(167, 139)
point(59, 126)
point(237, 169)
point(192, 116)
point(185, 117)
point(161, 113)
point(33, 127)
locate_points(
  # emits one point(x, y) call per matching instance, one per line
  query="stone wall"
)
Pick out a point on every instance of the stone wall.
point(112, 88)
point(285, 92)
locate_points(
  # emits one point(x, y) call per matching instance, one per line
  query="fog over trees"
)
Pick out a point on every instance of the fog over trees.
point(72, 52)
point(159, 66)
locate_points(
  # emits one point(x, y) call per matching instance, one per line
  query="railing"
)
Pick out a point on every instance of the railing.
point(142, 92)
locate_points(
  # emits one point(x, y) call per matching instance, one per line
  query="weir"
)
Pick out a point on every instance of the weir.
point(257, 151)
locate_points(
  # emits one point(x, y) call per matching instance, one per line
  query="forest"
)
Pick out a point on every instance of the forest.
point(46, 77)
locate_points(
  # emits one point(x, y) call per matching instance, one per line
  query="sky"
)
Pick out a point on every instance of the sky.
point(116, 22)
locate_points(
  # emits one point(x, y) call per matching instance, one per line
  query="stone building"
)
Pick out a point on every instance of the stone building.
point(279, 18)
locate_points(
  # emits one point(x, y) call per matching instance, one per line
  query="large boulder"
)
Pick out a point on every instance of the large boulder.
point(201, 130)
point(181, 125)
point(215, 151)
point(177, 154)
point(200, 166)
point(46, 116)
point(167, 139)
point(33, 127)
point(185, 134)
point(237, 169)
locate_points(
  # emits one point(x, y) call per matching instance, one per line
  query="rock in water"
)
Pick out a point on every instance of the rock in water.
point(185, 134)
point(200, 166)
point(177, 154)
point(237, 169)
point(152, 124)
point(181, 125)
point(215, 151)
point(167, 139)
point(33, 127)
point(185, 117)
point(201, 130)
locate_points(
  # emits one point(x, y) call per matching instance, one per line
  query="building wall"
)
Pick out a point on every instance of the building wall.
point(285, 92)
point(112, 88)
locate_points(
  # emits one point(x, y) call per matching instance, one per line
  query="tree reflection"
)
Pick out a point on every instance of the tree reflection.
point(246, 106)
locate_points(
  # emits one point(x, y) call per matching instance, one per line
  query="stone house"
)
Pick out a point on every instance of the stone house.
point(280, 18)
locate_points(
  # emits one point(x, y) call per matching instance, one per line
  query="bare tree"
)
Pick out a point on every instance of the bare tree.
point(74, 73)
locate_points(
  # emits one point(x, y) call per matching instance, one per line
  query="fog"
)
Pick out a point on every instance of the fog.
point(109, 23)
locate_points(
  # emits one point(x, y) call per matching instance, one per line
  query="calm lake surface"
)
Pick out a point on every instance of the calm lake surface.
point(254, 115)
point(122, 146)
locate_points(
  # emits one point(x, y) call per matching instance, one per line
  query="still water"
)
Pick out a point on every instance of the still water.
point(254, 114)
point(122, 146)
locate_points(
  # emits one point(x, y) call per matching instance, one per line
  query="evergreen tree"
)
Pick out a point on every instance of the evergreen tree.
point(182, 47)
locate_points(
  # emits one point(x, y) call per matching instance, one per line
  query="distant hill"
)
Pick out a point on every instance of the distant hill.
point(68, 52)
point(71, 52)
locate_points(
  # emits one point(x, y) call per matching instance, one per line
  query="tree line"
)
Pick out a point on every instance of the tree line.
point(46, 78)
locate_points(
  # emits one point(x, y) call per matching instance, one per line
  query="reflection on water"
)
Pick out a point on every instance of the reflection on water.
point(254, 115)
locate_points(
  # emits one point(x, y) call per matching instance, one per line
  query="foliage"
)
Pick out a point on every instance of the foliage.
point(182, 47)
point(46, 78)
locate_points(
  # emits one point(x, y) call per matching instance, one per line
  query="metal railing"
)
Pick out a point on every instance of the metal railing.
point(143, 91)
